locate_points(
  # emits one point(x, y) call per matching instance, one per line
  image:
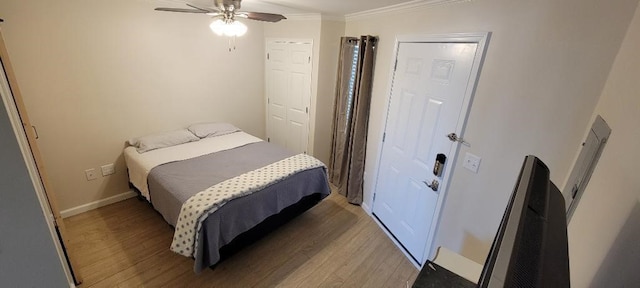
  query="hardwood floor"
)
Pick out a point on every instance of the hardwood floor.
point(334, 244)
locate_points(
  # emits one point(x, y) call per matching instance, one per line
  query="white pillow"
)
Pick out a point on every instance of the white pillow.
point(204, 130)
point(162, 140)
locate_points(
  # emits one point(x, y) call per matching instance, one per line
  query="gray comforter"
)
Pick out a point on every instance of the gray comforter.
point(171, 184)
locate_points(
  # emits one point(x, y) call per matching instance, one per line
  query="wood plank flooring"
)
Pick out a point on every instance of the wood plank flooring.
point(334, 244)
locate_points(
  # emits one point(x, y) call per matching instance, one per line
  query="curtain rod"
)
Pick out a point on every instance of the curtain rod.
point(371, 39)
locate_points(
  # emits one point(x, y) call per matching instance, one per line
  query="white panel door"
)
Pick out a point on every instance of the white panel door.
point(288, 93)
point(277, 92)
point(427, 98)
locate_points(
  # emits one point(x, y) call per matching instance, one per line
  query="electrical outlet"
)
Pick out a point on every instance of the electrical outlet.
point(91, 174)
point(471, 162)
point(108, 169)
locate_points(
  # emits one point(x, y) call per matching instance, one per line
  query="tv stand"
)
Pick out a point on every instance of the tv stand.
point(448, 269)
point(433, 275)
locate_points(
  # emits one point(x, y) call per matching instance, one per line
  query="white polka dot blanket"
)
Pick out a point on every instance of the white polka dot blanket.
point(196, 209)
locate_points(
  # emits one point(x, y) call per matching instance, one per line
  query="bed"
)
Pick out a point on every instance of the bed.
point(242, 186)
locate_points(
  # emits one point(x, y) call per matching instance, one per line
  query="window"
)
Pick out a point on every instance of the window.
point(352, 82)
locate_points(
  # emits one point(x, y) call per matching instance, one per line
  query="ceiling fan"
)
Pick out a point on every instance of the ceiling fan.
point(226, 12)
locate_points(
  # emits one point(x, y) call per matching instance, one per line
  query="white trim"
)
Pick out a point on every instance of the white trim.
point(402, 7)
point(313, 16)
point(14, 117)
point(303, 16)
point(482, 39)
point(288, 40)
point(366, 208)
point(97, 204)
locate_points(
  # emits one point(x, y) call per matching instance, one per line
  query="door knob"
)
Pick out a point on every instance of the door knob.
point(454, 138)
point(433, 185)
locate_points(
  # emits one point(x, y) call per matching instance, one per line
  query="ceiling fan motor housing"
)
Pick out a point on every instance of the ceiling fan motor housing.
point(228, 5)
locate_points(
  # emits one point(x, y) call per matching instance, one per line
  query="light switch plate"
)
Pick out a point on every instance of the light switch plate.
point(107, 169)
point(471, 162)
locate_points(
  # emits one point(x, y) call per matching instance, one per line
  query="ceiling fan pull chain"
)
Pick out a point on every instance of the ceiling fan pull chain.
point(232, 42)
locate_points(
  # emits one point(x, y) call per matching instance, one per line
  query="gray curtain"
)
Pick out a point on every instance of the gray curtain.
point(351, 116)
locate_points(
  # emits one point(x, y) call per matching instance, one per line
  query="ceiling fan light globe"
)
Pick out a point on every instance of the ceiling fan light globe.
point(229, 31)
point(238, 28)
point(228, 28)
point(218, 27)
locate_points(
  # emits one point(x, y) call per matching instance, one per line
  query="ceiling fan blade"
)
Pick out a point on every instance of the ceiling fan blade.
point(204, 9)
point(268, 17)
point(181, 10)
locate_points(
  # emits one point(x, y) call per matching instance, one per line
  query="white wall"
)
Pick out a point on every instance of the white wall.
point(96, 73)
point(614, 189)
point(546, 65)
point(26, 234)
point(87, 67)
point(331, 31)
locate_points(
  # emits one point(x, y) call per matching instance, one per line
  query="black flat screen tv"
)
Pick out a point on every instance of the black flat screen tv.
point(530, 248)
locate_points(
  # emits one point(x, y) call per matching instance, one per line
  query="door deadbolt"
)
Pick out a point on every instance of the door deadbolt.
point(439, 165)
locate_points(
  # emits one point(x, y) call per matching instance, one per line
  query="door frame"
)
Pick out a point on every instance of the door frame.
point(310, 101)
point(25, 136)
point(480, 38)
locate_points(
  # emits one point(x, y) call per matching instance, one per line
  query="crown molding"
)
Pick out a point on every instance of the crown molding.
point(303, 16)
point(402, 7)
point(314, 16)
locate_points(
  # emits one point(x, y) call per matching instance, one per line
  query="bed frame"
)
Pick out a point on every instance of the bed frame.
point(259, 231)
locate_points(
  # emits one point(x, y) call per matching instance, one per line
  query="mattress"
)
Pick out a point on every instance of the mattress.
point(183, 173)
point(140, 164)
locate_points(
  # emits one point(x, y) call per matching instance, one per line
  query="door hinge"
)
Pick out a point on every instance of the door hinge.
point(307, 110)
point(384, 135)
point(395, 65)
point(309, 59)
point(574, 191)
point(268, 100)
point(53, 220)
point(267, 56)
point(268, 139)
point(374, 197)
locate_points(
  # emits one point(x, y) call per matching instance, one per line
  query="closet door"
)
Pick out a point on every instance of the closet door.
point(20, 114)
point(288, 90)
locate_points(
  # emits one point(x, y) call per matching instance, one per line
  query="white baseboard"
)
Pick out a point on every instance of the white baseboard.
point(97, 204)
point(366, 208)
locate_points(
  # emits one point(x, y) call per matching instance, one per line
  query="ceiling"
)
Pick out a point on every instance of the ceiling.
point(325, 7)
